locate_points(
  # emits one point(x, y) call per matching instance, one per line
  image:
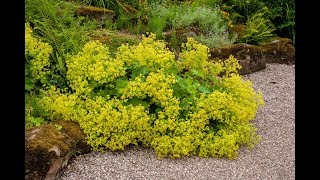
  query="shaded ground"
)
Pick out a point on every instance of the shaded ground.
point(273, 158)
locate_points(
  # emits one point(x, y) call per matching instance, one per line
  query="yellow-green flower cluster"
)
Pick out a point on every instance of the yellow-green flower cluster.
point(194, 57)
point(230, 66)
point(92, 67)
point(157, 86)
point(109, 124)
point(60, 105)
point(150, 53)
point(39, 52)
point(215, 126)
point(217, 105)
point(248, 101)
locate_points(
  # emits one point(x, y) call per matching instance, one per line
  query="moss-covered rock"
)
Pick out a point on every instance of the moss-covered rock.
point(48, 148)
point(280, 50)
point(250, 57)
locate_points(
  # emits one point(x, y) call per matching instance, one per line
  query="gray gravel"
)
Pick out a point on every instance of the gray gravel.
point(273, 158)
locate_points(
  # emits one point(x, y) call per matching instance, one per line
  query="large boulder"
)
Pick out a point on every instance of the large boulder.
point(279, 51)
point(250, 57)
point(49, 147)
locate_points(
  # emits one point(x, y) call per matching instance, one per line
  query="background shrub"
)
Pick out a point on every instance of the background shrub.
point(210, 27)
point(283, 17)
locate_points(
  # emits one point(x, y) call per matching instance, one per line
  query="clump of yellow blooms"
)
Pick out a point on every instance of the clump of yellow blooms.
point(194, 56)
point(150, 53)
point(132, 98)
point(38, 53)
point(91, 67)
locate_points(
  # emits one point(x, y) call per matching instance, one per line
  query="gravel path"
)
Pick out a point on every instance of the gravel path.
point(273, 158)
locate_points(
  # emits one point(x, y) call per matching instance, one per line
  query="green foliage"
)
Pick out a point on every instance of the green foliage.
point(161, 18)
point(283, 17)
point(37, 63)
point(35, 115)
point(54, 22)
point(241, 10)
point(259, 28)
point(281, 14)
point(145, 96)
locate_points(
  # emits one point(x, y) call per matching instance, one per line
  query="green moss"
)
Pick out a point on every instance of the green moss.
point(46, 143)
point(46, 137)
point(39, 143)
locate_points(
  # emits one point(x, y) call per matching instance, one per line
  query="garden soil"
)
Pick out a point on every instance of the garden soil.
point(273, 158)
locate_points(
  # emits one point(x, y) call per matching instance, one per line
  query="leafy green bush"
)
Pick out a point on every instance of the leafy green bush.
point(145, 96)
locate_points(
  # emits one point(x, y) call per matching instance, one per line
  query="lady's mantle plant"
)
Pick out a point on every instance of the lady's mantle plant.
point(143, 95)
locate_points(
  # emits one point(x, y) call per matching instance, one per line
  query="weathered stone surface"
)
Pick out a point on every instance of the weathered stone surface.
point(279, 51)
point(48, 149)
point(250, 57)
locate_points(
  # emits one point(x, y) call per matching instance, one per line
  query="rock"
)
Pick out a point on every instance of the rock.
point(250, 57)
point(48, 149)
point(279, 51)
